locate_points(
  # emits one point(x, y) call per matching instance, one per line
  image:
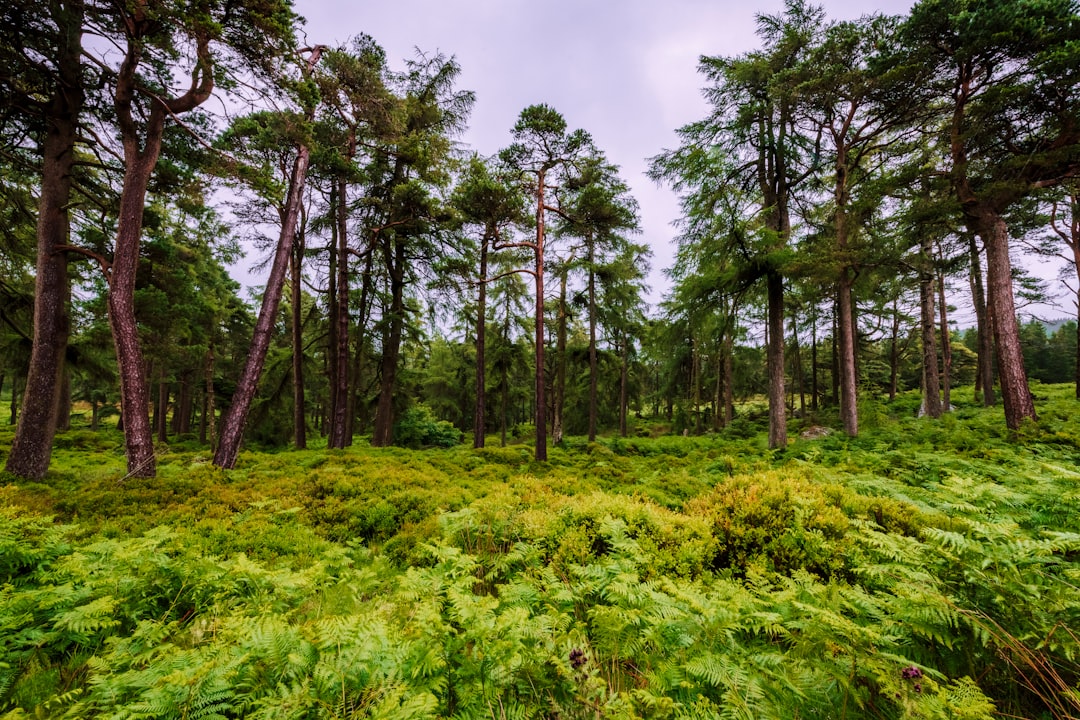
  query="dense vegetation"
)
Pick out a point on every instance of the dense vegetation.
point(796, 489)
point(924, 569)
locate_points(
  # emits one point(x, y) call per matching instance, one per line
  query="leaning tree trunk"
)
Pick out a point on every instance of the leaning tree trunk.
point(31, 448)
point(235, 420)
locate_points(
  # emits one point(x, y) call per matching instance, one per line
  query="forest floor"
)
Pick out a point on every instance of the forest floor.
point(927, 568)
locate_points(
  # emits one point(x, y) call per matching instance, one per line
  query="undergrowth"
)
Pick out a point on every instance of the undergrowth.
point(922, 570)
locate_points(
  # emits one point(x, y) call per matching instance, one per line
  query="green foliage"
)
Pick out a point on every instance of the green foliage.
point(907, 573)
point(419, 428)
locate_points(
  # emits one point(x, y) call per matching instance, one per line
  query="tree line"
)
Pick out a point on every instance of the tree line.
point(845, 173)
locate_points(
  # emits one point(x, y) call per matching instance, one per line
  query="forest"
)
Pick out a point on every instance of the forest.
point(449, 462)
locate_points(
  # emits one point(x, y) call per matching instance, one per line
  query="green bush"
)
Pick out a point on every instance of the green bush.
point(419, 428)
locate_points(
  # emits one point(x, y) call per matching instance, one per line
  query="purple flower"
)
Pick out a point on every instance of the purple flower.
point(577, 658)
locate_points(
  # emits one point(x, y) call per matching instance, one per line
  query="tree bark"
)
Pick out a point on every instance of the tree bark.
point(541, 418)
point(931, 377)
point(593, 369)
point(946, 346)
point(297, 299)
point(383, 432)
point(479, 419)
point(340, 387)
point(1016, 396)
point(235, 420)
point(31, 447)
point(775, 360)
point(985, 378)
point(559, 399)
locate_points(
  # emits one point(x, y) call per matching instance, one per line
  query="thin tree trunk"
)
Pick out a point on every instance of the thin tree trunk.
point(775, 360)
point(340, 387)
point(623, 383)
point(235, 420)
point(297, 298)
point(208, 430)
point(162, 407)
point(946, 346)
point(479, 419)
point(31, 447)
point(894, 350)
point(593, 370)
point(14, 417)
point(559, 391)
point(541, 419)
point(985, 377)
point(931, 378)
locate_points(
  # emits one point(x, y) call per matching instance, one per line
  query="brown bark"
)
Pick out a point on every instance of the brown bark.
point(235, 420)
point(382, 434)
point(775, 360)
point(894, 349)
point(541, 418)
point(479, 419)
point(559, 391)
point(593, 369)
point(984, 384)
point(931, 377)
point(623, 383)
point(1016, 396)
point(946, 346)
point(340, 377)
point(31, 447)
point(297, 297)
point(140, 158)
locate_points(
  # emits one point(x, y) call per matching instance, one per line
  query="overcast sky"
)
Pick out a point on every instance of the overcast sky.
point(623, 70)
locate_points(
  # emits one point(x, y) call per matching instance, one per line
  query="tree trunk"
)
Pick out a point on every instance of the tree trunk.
point(356, 407)
point(208, 426)
point(623, 382)
point(775, 360)
point(849, 404)
point(894, 350)
point(559, 399)
point(14, 407)
point(31, 447)
point(162, 408)
point(593, 370)
point(946, 346)
point(134, 388)
point(479, 419)
point(297, 299)
point(340, 386)
point(985, 377)
point(235, 420)
point(383, 432)
point(931, 378)
point(541, 418)
point(1015, 393)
